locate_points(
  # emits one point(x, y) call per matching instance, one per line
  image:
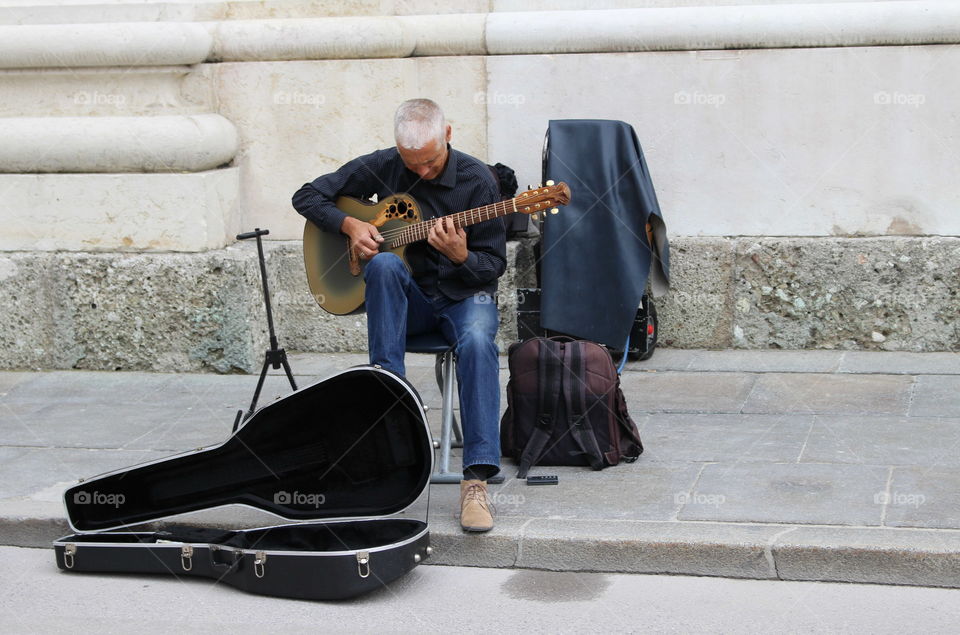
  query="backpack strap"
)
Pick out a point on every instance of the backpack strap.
point(631, 447)
point(575, 394)
point(548, 393)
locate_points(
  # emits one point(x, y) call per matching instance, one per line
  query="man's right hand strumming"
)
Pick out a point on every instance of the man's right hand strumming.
point(364, 237)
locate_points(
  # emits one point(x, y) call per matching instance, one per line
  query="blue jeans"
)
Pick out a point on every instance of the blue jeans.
point(396, 306)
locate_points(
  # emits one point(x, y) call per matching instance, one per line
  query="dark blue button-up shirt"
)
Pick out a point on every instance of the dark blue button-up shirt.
point(465, 183)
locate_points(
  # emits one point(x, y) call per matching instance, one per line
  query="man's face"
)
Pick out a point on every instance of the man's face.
point(429, 161)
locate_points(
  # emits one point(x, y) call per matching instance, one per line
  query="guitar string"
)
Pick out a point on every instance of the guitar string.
point(419, 228)
point(419, 231)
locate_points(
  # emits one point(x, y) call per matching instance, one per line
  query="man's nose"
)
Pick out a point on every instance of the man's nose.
point(423, 170)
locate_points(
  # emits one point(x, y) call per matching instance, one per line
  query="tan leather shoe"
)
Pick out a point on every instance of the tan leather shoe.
point(476, 510)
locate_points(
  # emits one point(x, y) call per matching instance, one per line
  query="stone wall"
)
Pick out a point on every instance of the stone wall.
point(895, 294)
point(171, 312)
point(176, 312)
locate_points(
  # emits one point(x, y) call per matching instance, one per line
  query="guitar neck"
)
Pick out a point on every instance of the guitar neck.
point(419, 231)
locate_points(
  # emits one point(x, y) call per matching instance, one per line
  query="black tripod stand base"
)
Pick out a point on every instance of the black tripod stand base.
point(276, 358)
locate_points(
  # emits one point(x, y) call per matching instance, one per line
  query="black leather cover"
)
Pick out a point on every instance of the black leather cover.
point(596, 258)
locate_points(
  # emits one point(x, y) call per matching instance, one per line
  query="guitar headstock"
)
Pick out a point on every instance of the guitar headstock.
point(543, 198)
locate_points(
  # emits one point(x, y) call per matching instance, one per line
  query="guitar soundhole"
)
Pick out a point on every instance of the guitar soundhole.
point(400, 209)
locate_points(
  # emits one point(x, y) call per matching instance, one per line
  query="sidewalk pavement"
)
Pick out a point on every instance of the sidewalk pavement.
point(797, 465)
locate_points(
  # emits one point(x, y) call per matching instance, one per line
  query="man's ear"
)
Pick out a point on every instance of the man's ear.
point(449, 133)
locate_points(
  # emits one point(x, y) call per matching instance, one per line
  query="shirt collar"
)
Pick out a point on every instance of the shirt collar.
point(449, 177)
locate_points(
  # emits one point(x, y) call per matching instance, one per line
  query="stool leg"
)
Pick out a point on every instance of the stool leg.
point(443, 473)
point(438, 369)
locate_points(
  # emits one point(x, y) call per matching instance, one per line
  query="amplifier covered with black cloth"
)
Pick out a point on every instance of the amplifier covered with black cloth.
point(343, 458)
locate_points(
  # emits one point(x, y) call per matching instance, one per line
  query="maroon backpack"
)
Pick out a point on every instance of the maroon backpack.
point(565, 407)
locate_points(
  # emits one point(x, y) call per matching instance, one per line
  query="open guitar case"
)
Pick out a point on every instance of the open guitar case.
point(344, 459)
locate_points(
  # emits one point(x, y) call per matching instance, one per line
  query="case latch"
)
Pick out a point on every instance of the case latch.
point(69, 552)
point(258, 563)
point(363, 563)
point(186, 557)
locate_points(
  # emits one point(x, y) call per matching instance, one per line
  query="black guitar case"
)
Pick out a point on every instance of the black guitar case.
point(339, 457)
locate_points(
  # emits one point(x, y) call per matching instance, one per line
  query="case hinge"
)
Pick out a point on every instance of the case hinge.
point(186, 557)
point(69, 551)
point(258, 563)
point(363, 563)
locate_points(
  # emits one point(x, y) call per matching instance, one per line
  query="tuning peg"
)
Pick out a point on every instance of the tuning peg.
point(549, 183)
point(554, 210)
point(529, 187)
point(535, 216)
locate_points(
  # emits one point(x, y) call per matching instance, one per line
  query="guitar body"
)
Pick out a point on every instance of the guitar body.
point(334, 274)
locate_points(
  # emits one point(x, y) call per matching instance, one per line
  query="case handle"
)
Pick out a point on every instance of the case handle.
point(186, 557)
point(69, 552)
point(363, 563)
point(258, 563)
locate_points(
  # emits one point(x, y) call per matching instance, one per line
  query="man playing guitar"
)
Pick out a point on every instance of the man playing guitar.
point(452, 277)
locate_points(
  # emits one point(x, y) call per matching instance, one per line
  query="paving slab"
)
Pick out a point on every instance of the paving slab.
point(672, 391)
point(326, 364)
point(819, 393)
point(787, 493)
point(9, 380)
point(665, 359)
point(923, 497)
point(724, 437)
point(645, 492)
point(127, 410)
point(766, 361)
point(883, 440)
point(936, 396)
point(46, 472)
point(900, 363)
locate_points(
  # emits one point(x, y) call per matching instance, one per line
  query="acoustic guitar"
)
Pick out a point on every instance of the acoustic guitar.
point(335, 271)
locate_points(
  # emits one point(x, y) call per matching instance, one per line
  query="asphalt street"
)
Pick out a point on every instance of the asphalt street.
point(39, 598)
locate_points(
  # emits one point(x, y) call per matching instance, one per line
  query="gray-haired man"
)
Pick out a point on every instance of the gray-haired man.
point(453, 278)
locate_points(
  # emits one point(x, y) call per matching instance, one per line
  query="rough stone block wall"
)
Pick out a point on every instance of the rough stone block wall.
point(896, 294)
point(175, 312)
point(164, 312)
point(171, 312)
point(884, 293)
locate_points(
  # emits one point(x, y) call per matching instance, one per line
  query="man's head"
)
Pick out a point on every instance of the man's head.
point(422, 134)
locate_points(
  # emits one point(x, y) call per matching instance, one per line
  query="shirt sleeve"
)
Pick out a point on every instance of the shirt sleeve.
point(315, 200)
point(486, 243)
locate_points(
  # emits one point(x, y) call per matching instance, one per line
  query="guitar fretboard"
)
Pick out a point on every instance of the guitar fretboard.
point(420, 231)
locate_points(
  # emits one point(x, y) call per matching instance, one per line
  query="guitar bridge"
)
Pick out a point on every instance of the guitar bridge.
point(353, 257)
